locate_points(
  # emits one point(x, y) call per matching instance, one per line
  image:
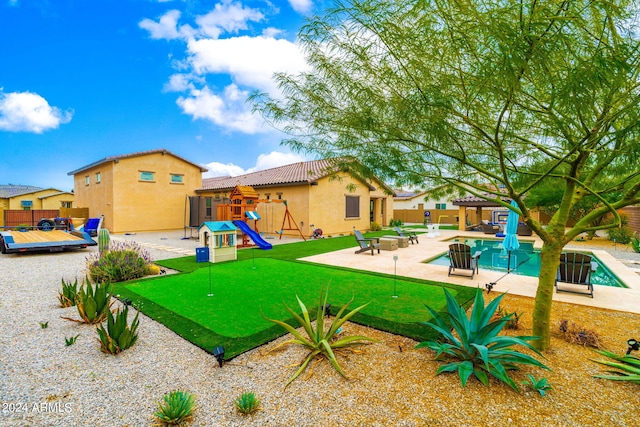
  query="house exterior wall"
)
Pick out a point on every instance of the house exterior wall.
point(39, 200)
point(323, 205)
point(130, 204)
point(55, 202)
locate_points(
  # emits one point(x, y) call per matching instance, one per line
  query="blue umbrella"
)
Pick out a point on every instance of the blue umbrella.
point(510, 237)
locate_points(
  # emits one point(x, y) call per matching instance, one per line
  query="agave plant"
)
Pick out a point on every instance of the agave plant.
point(247, 403)
point(541, 385)
point(67, 296)
point(93, 302)
point(118, 335)
point(476, 349)
point(176, 408)
point(319, 341)
point(628, 367)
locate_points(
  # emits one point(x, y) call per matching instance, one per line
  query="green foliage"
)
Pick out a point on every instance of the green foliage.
point(67, 296)
point(71, 340)
point(247, 403)
point(635, 244)
point(513, 318)
point(44, 325)
point(541, 385)
point(318, 341)
point(395, 222)
point(118, 335)
point(176, 408)
point(477, 349)
point(103, 240)
point(375, 226)
point(626, 368)
point(93, 302)
point(622, 233)
point(123, 261)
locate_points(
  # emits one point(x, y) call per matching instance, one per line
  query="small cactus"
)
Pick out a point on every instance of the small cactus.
point(103, 240)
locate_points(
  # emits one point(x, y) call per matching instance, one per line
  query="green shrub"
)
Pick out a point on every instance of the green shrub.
point(477, 349)
point(247, 403)
point(67, 296)
point(118, 335)
point(375, 226)
point(123, 261)
point(93, 302)
point(628, 367)
point(318, 341)
point(176, 408)
point(395, 222)
point(622, 234)
point(635, 244)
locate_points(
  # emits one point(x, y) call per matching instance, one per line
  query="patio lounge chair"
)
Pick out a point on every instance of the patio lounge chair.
point(575, 269)
point(524, 230)
point(489, 228)
point(460, 258)
point(366, 244)
point(410, 234)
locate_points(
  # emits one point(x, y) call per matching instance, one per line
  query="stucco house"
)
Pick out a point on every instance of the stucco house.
point(32, 198)
point(142, 191)
point(316, 194)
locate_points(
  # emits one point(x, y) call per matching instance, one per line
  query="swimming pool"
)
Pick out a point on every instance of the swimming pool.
point(525, 261)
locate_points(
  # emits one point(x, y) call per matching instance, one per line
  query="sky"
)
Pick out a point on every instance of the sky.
point(82, 80)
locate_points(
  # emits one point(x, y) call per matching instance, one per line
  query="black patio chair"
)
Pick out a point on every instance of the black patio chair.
point(460, 258)
point(575, 270)
point(366, 244)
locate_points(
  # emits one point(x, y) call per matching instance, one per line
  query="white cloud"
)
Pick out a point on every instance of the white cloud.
point(264, 161)
point(228, 109)
point(227, 16)
point(29, 112)
point(251, 61)
point(167, 27)
point(301, 6)
point(179, 83)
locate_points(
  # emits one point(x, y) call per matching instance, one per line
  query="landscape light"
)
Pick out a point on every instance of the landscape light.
point(633, 345)
point(218, 353)
point(327, 309)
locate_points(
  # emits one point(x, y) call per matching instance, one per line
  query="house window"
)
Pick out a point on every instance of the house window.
point(146, 176)
point(98, 178)
point(87, 180)
point(66, 204)
point(176, 178)
point(353, 206)
point(207, 201)
point(26, 205)
point(441, 206)
point(279, 196)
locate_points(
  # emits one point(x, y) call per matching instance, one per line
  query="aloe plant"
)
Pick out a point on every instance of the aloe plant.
point(628, 367)
point(176, 408)
point(247, 403)
point(118, 335)
point(67, 296)
point(319, 341)
point(93, 302)
point(476, 349)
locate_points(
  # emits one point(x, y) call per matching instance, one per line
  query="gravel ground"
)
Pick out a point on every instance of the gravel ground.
point(45, 383)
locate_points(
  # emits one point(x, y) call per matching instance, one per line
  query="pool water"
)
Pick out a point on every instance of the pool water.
point(525, 261)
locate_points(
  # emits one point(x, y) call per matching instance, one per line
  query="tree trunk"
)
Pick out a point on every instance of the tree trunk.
point(549, 261)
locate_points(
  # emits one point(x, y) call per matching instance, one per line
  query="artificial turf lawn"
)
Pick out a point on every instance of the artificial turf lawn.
point(232, 316)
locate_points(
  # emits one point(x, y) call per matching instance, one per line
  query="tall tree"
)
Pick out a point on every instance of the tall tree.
point(491, 98)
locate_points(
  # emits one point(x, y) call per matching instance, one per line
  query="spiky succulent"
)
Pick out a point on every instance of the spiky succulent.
point(476, 349)
point(175, 408)
point(93, 302)
point(628, 367)
point(247, 403)
point(67, 295)
point(318, 341)
point(118, 335)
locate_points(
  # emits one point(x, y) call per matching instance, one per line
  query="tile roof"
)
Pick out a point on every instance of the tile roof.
point(296, 173)
point(136, 154)
point(475, 201)
point(10, 190)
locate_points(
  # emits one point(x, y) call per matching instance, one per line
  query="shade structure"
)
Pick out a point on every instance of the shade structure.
point(511, 243)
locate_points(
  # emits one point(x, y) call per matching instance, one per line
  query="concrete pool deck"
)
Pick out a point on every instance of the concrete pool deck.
point(410, 263)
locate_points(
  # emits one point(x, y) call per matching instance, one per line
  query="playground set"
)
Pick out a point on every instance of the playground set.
point(243, 209)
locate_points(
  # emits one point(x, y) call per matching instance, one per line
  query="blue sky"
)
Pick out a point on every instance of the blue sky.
point(82, 80)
